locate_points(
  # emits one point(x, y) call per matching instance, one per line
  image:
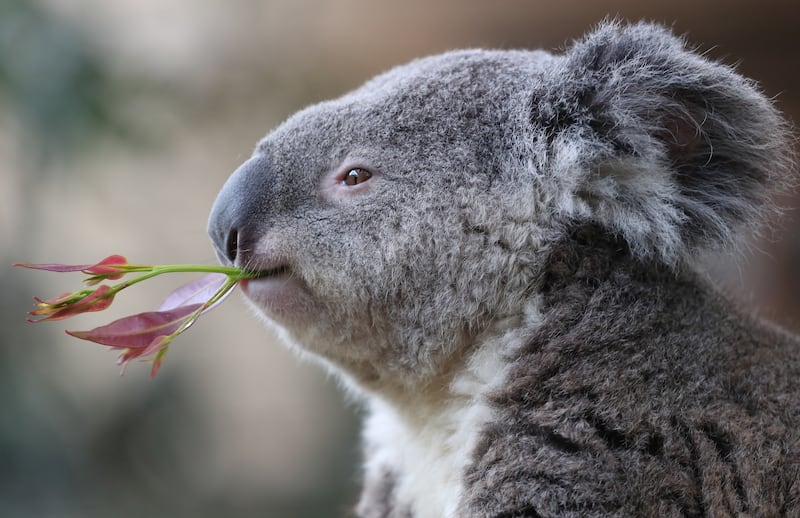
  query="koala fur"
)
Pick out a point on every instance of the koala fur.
point(508, 285)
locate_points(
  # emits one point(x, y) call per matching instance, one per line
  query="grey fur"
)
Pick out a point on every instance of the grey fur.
point(547, 207)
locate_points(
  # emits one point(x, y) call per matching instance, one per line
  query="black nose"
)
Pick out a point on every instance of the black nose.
point(239, 213)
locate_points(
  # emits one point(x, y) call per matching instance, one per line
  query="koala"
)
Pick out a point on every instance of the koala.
point(496, 252)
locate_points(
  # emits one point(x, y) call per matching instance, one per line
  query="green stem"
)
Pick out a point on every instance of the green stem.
point(230, 271)
point(234, 274)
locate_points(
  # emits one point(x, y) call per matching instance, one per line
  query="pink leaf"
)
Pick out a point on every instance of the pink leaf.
point(55, 267)
point(139, 331)
point(198, 291)
point(111, 264)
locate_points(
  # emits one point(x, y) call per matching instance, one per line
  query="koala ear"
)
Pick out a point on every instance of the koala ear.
point(663, 147)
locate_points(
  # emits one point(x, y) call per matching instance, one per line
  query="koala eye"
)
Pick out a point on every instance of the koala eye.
point(356, 176)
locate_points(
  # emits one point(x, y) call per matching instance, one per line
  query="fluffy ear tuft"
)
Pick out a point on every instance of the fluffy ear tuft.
point(671, 151)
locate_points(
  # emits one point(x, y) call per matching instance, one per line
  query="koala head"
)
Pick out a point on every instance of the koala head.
point(397, 223)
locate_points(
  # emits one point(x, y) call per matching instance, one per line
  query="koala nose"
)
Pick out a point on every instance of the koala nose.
point(236, 217)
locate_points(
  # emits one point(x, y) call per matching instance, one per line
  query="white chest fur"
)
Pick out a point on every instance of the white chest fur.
point(427, 443)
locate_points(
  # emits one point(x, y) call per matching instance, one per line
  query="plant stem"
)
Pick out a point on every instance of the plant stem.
point(234, 274)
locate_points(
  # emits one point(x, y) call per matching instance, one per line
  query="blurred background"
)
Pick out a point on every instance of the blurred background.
point(119, 122)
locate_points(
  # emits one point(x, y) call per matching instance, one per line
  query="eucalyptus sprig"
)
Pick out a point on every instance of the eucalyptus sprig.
point(143, 335)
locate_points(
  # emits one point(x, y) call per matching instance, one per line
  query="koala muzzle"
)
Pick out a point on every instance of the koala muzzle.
point(236, 220)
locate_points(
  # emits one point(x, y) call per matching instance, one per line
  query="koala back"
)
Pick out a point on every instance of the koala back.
point(640, 394)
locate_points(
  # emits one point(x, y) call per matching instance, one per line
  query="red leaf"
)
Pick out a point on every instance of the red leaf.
point(71, 304)
point(138, 331)
point(198, 291)
point(61, 300)
point(111, 264)
point(158, 348)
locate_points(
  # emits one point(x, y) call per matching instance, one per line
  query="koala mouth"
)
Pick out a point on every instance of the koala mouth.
point(269, 272)
point(278, 292)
